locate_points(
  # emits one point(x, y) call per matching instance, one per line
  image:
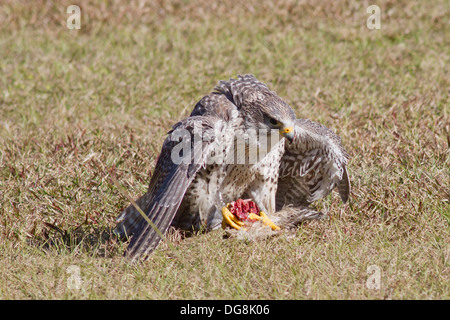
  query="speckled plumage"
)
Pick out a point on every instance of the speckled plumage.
point(312, 166)
point(190, 195)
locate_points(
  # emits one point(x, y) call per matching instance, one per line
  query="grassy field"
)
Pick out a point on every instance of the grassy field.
point(78, 105)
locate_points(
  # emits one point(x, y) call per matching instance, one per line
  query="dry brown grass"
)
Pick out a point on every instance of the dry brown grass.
point(77, 105)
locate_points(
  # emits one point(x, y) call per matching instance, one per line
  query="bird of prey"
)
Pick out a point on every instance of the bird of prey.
point(240, 141)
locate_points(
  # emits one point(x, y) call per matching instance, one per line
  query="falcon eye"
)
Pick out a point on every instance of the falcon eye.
point(273, 121)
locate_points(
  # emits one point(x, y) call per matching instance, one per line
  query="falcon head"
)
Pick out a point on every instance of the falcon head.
point(259, 107)
point(277, 114)
point(270, 112)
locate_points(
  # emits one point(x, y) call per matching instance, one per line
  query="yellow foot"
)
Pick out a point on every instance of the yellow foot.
point(264, 219)
point(234, 222)
point(230, 219)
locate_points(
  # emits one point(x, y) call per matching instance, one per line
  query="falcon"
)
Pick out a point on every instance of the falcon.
point(240, 141)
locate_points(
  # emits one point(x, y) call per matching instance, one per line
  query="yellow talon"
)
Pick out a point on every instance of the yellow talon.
point(253, 216)
point(234, 222)
point(265, 219)
point(230, 219)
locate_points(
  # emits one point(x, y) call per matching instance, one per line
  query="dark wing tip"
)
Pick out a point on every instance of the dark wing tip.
point(344, 186)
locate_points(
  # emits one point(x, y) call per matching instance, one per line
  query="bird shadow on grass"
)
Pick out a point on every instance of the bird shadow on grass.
point(99, 241)
point(86, 238)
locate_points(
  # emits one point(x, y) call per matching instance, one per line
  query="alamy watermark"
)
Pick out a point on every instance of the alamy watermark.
point(374, 280)
point(202, 147)
point(74, 281)
point(373, 21)
point(74, 20)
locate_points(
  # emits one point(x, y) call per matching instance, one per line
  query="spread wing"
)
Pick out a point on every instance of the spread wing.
point(183, 153)
point(312, 166)
point(242, 89)
point(215, 105)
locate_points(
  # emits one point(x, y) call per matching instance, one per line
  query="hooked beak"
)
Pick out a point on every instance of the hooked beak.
point(288, 133)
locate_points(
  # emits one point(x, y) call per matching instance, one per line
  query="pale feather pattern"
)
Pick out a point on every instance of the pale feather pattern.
point(201, 206)
point(242, 90)
point(191, 196)
point(167, 187)
point(283, 182)
point(255, 101)
point(312, 166)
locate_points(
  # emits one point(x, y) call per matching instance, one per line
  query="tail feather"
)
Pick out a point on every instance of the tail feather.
point(344, 186)
point(290, 217)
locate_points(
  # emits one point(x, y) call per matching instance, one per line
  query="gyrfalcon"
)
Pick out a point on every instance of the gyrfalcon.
point(240, 141)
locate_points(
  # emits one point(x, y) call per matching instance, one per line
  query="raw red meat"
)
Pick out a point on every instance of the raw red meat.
point(242, 208)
